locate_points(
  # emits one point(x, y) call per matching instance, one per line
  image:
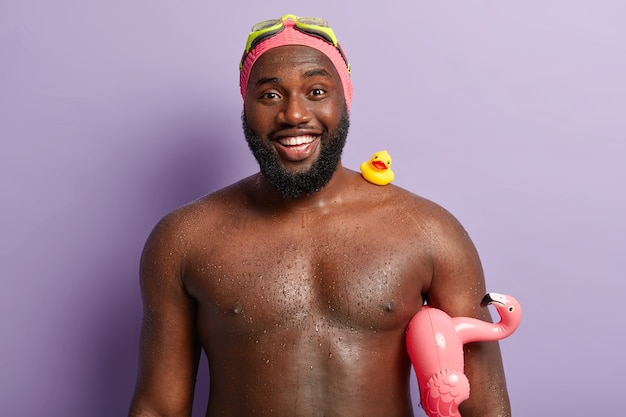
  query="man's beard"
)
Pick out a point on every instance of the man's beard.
point(297, 184)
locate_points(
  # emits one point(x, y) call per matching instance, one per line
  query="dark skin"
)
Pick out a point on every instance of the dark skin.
point(301, 304)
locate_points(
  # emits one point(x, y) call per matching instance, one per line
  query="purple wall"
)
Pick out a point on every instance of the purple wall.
point(513, 116)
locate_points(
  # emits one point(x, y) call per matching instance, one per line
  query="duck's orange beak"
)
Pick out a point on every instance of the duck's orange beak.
point(379, 165)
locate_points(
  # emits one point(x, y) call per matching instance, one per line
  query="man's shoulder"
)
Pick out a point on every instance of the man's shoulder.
point(228, 196)
point(423, 210)
point(396, 196)
point(206, 210)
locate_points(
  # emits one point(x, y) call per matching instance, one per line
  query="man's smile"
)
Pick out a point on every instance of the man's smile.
point(297, 148)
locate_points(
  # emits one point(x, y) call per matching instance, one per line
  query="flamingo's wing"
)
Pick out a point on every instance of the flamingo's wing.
point(443, 393)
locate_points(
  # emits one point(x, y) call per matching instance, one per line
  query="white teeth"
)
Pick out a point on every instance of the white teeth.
point(296, 140)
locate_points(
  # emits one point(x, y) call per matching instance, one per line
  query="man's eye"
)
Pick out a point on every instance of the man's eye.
point(318, 92)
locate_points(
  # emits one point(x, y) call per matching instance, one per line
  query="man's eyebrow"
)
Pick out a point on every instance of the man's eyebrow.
point(320, 72)
point(268, 80)
point(316, 72)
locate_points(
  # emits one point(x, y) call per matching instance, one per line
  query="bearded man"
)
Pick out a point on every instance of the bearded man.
point(298, 282)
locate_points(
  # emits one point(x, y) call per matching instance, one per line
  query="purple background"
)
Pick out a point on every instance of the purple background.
point(112, 113)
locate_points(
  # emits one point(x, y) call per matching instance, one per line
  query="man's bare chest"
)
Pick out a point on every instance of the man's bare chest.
point(356, 275)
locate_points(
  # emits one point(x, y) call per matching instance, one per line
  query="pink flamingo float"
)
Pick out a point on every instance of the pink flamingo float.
point(435, 342)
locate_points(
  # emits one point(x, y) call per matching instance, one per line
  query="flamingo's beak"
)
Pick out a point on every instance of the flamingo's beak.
point(493, 297)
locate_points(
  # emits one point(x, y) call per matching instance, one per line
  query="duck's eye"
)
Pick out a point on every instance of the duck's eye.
point(375, 156)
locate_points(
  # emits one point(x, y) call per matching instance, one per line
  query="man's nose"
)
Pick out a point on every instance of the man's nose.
point(295, 111)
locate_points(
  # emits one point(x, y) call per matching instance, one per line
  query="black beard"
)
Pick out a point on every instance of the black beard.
point(292, 185)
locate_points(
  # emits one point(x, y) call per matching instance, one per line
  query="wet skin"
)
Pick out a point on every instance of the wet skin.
point(301, 305)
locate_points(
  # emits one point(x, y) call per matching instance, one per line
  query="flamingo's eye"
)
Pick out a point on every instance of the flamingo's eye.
point(511, 309)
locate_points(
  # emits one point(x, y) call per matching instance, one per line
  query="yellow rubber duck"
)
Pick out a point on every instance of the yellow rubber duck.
point(378, 169)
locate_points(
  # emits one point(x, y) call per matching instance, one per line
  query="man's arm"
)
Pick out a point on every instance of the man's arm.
point(457, 288)
point(169, 348)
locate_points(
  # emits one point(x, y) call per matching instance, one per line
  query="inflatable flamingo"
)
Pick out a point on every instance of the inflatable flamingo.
point(435, 342)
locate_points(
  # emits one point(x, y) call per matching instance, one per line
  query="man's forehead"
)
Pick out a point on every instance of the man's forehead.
point(296, 61)
point(293, 55)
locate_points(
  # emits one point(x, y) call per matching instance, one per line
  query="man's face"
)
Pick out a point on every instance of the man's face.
point(295, 119)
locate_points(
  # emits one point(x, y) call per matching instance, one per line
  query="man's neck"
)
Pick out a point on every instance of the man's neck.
point(331, 193)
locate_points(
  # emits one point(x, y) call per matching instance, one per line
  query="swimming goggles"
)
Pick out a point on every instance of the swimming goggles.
point(313, 26)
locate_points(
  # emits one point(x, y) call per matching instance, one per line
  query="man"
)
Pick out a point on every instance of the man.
point(298, 282)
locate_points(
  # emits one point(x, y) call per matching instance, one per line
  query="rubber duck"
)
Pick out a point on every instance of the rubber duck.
point(378, 169)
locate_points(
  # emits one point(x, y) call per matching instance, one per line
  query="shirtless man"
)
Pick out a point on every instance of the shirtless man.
point(298, 282)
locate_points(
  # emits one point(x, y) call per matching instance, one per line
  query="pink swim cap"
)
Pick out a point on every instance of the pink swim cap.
point(292, 36)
